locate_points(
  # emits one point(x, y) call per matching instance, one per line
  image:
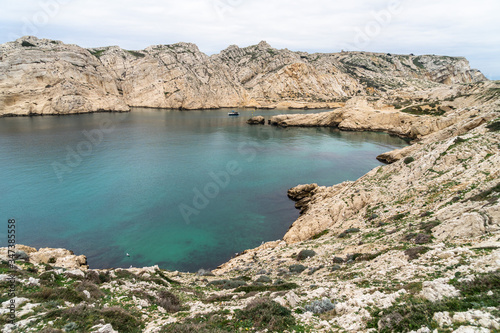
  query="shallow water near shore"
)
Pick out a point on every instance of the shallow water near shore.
point(181, 189)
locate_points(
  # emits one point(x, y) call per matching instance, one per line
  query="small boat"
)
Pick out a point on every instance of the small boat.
point(233, 113)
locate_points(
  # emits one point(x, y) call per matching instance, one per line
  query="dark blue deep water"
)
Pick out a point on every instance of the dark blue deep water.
point(181, 189)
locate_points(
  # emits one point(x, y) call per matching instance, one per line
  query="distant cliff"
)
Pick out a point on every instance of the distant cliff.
point(41, 76)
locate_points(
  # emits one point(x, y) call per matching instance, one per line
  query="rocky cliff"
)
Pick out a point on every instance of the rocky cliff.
point(40, 76)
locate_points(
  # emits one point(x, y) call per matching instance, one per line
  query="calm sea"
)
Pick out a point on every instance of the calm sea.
point(181, 189)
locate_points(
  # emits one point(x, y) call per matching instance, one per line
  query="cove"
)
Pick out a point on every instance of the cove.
point(182, 189)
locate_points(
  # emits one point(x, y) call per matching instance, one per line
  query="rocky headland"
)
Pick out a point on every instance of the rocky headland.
point(412, 246)
point(41, 76)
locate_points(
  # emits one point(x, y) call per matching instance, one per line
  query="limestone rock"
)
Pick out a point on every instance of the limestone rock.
point(59, 258)
point(257, 120)
point(437, 289)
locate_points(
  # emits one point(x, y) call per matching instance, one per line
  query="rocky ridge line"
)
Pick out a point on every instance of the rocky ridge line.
point(41, 76)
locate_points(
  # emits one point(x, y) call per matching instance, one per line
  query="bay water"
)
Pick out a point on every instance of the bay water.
point(182, 189)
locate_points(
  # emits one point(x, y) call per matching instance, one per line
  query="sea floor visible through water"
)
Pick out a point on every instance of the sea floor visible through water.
point(182, 189)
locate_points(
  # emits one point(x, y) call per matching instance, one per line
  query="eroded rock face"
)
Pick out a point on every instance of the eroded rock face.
point(54, 78)
point(41, 76)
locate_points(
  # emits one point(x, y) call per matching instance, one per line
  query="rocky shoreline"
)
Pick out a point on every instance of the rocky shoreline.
point(411, 246)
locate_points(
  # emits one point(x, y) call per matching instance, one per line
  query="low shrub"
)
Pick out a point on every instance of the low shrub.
point(297, 268)
point(86, 316)
point(320, 306)
point(93, 289)
point(304, 254)
point(322, 233)
point(97, 277)
point(408, 160)
point(273, 288)
point(494, 126)
point(58, 294)
point(412, 313)
point(168, 301)
point(27, 44)
point(259, 315)
point(264, 279)
point(415, 252)
point(21, 255)
point(227, 284)
point(266, 314)
point(345, 233)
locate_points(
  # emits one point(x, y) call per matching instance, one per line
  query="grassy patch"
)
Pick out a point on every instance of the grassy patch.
point(85, 317)
point(415, 252)
point(97, 53)
point(494, 126)
point(487, 194)
point(318, 235)
point(411, 312)
point(345, 233)
point(136, 54)
point(408, 160)
point(399, 216)
point(418, 110)
point(278, 287)
point(260, 315)
point(417, 63)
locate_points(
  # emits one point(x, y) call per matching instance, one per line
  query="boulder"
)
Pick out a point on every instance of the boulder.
point(257, 120)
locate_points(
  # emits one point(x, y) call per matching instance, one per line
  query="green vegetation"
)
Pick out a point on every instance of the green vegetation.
point(399, 216)
point(304, 254)
point(261, 314)
point(136, 54)
point(491, 194)
point(417, 63)
point(418, 110)
point(84, 317)
point(227, 284)
point(272, 288)
point(318, 235)
point(491, 94)
point(494, 126)
point(345, 233)
point(409, 159)
point(97, 53)
point(27, 44)
point(412, 312)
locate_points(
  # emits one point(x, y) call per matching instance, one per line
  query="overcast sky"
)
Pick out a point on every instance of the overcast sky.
point(447, 27)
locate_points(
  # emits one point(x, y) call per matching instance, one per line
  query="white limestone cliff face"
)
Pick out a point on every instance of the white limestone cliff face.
point(54, 78)
point(40, 76)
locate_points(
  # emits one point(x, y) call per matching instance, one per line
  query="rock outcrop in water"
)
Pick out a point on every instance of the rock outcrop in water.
point(41, 76)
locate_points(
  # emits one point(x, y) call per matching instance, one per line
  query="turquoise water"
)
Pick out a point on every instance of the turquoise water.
point(181, 189)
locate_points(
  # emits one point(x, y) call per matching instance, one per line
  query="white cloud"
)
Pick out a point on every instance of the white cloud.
point(457, 27)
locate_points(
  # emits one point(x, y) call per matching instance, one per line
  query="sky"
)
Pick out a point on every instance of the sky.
point(446, 27)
